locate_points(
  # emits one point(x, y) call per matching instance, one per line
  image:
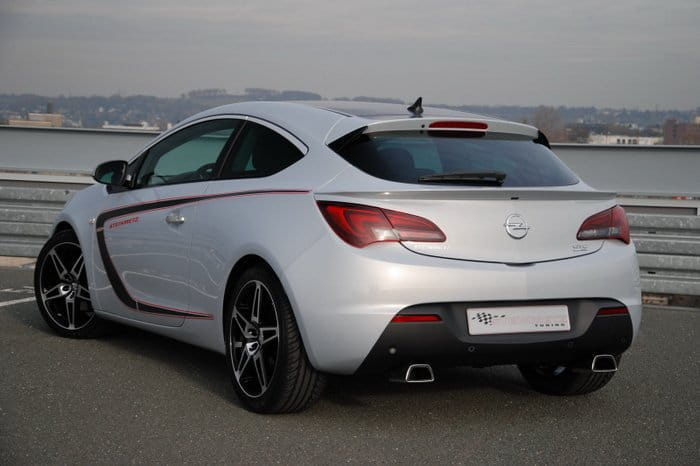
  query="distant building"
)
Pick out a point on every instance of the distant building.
point(679, 133)
point(43, 120)
point(612, 139)
point(206, 93)
point(142, 126)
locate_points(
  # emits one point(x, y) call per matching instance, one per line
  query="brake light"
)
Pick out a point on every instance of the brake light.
point(478, 125)
point(613, 311)
point(609, 224)
point(398, 319)
point(360, 225)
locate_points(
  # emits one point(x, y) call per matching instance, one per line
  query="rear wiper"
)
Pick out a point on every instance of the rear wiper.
point(482, 178)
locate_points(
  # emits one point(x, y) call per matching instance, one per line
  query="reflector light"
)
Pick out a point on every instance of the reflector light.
point(360, 225)
point(609, 224)
point(459, 125)
point(613, 311)
point(416, 318)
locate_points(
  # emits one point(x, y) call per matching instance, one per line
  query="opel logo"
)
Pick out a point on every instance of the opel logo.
point(516, 226)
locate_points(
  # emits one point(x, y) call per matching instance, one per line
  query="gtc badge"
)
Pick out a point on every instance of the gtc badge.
point(516, 226)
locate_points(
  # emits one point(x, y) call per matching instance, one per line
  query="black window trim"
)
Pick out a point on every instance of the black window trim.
point(138, 159)
point(303, 148)
point(339, 144)
point(142, 157)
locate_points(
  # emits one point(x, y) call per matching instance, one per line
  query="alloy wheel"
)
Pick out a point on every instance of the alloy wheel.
point(254, 338)
point(63, 287)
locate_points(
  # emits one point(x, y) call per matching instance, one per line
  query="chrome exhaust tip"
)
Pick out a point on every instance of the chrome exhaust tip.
point(419, 373)
point(604, 363)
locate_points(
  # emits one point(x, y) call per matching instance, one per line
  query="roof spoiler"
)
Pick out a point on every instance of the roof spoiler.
point(433, 124)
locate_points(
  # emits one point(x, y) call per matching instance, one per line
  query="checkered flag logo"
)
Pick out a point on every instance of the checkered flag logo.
point(486, 318)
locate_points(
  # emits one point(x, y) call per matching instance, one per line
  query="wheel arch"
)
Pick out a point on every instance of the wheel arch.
point(63, 225)
point(245, 263)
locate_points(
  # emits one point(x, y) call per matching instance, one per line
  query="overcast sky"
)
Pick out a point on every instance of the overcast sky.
point(617, 53)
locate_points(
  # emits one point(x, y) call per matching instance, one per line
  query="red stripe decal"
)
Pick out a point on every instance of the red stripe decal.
point(113, 276)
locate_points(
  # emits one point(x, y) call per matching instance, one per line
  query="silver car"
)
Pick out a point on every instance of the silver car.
point(350, 238)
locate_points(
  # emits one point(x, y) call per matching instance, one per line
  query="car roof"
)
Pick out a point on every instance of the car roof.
point(383, 111)
point(325, 120)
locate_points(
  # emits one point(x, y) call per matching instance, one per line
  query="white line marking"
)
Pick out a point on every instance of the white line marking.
point(16, 301)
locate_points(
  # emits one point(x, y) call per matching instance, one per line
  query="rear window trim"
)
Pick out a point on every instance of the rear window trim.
point(344, 141)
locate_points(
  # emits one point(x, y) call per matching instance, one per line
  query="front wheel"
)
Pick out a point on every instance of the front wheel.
point(61, 288)
point(553, 379)
point(266, 358)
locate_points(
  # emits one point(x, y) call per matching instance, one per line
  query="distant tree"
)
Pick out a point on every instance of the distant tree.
point(381, 100)
point(578, 133)
point(298, 95)
point(548, 120)
point(261, 93)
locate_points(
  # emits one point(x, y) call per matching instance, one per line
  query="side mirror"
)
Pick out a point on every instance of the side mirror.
point(111, 173)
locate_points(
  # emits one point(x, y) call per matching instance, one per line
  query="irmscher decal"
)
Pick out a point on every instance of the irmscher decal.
point(123, 222)
point(112, 274)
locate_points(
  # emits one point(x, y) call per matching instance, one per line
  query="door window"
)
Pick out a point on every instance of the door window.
point(259, 152)
point(188, 155)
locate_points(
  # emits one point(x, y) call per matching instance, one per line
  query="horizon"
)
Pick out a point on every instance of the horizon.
point(633, 54)
point(357, 99)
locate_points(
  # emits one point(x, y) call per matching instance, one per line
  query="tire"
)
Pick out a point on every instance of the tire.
point(563, 380)
point(268, 365)
point(61, 288)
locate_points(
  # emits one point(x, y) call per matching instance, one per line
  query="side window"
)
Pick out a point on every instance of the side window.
point(260, 152)
point(188, 155)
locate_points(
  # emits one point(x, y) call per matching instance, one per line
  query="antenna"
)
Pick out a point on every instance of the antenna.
point(417, 107)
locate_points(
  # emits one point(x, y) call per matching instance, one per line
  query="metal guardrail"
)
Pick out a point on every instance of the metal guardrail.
point(668, 245)
point(27, 211)
point(34, 184)
point(665, 231)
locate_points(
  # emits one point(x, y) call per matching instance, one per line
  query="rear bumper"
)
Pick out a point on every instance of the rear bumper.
point(448, 342)
point(345, 298)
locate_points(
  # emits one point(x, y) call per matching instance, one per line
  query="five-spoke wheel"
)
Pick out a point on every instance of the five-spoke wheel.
point(61, 287)
point(254, 338)
point(266, 358)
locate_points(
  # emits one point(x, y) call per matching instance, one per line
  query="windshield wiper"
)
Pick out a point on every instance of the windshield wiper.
point(481, 178)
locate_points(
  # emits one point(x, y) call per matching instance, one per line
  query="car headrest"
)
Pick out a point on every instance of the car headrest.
point(271, 154)
point(396, 163)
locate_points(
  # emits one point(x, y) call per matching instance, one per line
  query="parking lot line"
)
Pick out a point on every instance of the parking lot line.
point(16, 301)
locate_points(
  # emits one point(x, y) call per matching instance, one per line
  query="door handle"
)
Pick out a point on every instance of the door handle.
point(175, 219)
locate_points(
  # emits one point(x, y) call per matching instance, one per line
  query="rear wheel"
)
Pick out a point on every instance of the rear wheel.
point(266, 358)
point(61, 288)
point(555, 379)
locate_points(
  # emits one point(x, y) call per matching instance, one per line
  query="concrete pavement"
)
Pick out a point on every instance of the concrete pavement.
point(133, 397)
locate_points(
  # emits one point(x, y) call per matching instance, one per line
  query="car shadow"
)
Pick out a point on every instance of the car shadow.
point(355, 390)
point(208, 370)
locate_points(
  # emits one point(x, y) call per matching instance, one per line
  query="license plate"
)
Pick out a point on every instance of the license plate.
point(527, 319)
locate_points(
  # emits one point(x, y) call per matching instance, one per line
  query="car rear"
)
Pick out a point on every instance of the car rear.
point(454, 241)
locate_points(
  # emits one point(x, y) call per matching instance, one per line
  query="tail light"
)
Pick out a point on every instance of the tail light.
point(613, 311)
point(609, 224)
point(361, 225)
point(403, 318)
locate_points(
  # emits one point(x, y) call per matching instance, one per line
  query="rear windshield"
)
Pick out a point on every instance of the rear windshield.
point(407, 156)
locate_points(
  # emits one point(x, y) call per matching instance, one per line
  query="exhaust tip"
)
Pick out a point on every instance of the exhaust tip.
point(419, 373)
point(604, 363)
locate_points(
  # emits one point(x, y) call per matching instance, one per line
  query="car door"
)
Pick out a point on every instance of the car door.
point(144, 232)
point(260, 151)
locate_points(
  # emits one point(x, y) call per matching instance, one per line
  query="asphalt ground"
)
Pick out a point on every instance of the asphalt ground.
point(133, 397)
